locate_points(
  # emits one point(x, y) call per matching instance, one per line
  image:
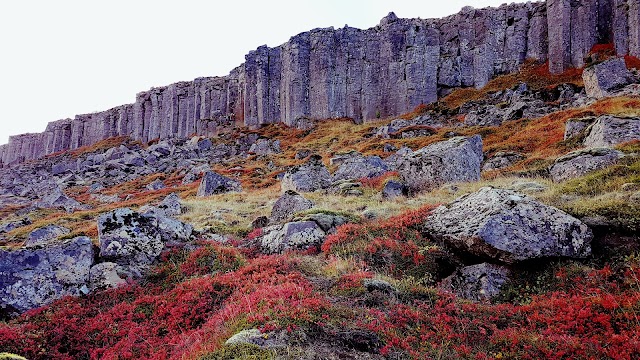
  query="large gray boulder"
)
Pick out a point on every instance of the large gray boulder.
point(292, 236)
point(308, 177)
point(135, 240)
point(214, 183)
point(609, 130)
point(506, 226)
point(480, 282)
point(288, 204)
point(603, 78)
point(582, 162)
point(30, 278)
point(455, 160)
point(360, 167)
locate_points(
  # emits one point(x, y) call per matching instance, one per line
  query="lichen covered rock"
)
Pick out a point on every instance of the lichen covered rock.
point(506, 226)
point(581, 162)
point(31, 278)
point(455, 160)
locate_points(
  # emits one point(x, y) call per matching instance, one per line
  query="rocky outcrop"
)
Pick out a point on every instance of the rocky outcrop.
point(30, 278)
point(455, 160)
point(505, 226)
point(609, 130)
point(386, 70)
point(581, 162)
point(601, 79)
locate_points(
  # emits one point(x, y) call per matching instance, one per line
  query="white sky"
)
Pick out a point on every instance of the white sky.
point(66, 57)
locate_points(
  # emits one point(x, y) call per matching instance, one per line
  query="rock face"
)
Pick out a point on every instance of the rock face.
point(308, 177)
point(601, 79)
point(213, 183)
point(288, 204)
point(383, 71)
point(608, 131)
point(581, 162)
point(30, 278)
point(505, 226)
point(480, 282)
point(454, 160)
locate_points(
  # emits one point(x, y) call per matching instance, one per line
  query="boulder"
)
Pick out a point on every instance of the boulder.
point(609, 130)
point(257, 338)
point(30, 278)
point(341, 158)
point(106, 275)
point(135, 240)
point(393, 189)
point(214, 183)
point(288, 204)
point(265, 147)
point(480, 282)
point(501, 160)
point(56, 199)
point(582, 162)
point(44, 235)
point(379, 285)
point(309, 177)
point(156, 184)
point(603, 78)
point(454, 160)
point(170, 205)
point(303, 154)
point(299, 235)
point(576, 127)
point(200, 144)
point(506, 226)
point(194, 173)
point(260, 222)
point(360, 167)
point(327, 221)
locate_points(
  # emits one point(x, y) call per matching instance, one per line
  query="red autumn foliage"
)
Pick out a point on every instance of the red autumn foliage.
point(396, 245)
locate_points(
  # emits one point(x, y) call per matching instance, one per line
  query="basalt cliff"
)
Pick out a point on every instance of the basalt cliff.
point(351, 73)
